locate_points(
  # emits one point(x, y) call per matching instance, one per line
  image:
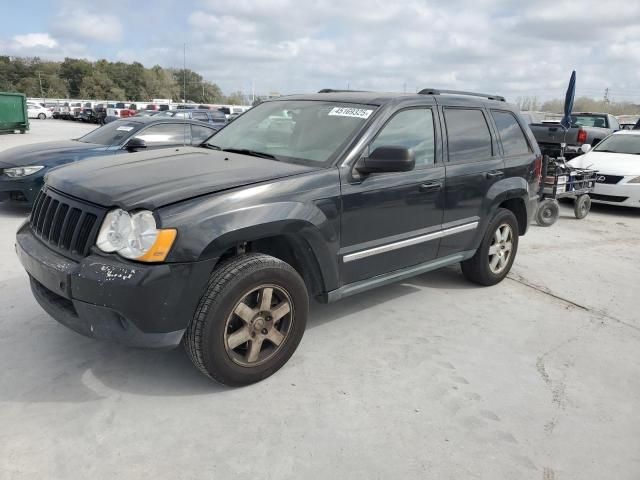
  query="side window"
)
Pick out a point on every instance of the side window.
point(166, 134)
point(200, 134)
point(513, 140)
point(201, 116)
point(468, 135)
point(410, 129)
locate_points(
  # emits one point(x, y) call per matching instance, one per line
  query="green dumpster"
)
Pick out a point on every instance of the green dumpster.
point(13, 112)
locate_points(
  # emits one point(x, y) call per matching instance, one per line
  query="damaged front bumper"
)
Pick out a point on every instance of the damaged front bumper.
point(106, 297)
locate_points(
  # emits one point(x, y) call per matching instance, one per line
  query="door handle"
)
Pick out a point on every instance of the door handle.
point(430, 187)
point(495, 174)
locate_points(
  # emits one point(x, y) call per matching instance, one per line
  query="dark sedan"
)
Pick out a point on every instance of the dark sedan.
point(212, 117)
point(22, 169)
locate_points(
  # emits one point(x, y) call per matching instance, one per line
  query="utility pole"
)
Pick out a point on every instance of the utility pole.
point(41, 90)
point(184, 73)
point(606, 95)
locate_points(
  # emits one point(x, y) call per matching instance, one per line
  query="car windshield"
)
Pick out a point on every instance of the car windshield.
point(307, 132)
point(112, 133)
point(624, 143)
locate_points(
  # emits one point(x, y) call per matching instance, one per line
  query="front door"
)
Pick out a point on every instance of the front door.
point(474, 165)
point(391, 220)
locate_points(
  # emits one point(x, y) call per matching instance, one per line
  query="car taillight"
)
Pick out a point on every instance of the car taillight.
point(582, 136)
point(537, 170)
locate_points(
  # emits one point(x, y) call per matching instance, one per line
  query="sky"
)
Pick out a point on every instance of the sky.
point(511, 48)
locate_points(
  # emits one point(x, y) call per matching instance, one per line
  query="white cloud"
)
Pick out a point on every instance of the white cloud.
point(31, 40)
point(76, 20)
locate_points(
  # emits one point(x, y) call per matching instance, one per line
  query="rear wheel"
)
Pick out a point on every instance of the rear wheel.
point(548, 212)
point(42, 116)
point(493, 259)
point(249, 321)
point(581, 206)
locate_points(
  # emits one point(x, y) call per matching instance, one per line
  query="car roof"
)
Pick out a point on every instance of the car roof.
point(381, 98)
point(156, 119)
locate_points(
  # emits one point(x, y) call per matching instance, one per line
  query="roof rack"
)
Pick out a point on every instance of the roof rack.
point(331, 90)
point(436, 91)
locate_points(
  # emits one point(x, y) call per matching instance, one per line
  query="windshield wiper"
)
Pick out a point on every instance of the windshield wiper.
point(253, 153)
point(212, 147)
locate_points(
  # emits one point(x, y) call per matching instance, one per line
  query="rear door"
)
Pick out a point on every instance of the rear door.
point(392, 220)
point(474, 165)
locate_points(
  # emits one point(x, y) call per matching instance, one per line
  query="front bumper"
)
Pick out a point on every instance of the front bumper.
point(104, 297)
point(22, 190)
point(623, 193)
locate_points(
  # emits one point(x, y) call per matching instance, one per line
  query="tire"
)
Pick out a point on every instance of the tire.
point(22, 132)
point(547, 213)
point(244, 280)
point(42, 116)
point(582, 206)
point(480, 268)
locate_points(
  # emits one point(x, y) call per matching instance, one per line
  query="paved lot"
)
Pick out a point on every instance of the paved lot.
point(535, 378)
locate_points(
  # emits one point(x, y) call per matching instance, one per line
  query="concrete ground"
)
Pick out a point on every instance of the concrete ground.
point(434, 378)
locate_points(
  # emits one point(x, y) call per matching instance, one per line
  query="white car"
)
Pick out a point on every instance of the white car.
point(35, 110)
point(617, 160)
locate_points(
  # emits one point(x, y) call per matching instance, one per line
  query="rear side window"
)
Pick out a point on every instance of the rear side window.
point(411, 129)
point(468, 135)
point(202, 116)
point(513, 140)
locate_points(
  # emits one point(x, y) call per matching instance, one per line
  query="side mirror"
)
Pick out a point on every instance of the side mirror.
point(135, 143)
point(585, 147)
point(388, 159)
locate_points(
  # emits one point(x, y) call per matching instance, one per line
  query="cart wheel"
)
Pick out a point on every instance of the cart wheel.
point(581, 206)
point(548, 212)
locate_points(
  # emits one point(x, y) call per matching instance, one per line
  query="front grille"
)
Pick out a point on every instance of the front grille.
point(608, 198)
point(65, 224)
point(610, 179)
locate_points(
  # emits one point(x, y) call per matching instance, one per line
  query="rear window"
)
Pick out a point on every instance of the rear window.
point(468, 135)
point(511, 134)
point(589, 120)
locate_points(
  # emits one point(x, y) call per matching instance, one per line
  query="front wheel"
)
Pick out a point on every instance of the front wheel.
point(493, 259)
point(548, 212)
point(249, 321)
point(582, 206)
point(42, 116)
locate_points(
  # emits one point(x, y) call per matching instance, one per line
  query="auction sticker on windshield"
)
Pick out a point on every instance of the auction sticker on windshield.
point(351, 112)
point(124, 128)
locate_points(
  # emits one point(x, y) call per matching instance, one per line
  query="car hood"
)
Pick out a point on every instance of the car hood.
point(156, 178)
point(611, 163)
point(47, 153)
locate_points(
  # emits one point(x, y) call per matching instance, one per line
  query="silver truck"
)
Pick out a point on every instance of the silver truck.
point(586, 128)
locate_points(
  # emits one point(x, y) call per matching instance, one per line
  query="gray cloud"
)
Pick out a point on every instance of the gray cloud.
point(507, 47)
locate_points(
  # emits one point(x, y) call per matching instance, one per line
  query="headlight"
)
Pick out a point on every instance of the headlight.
point(22, 171)
point(634, 180)
point(135, 236)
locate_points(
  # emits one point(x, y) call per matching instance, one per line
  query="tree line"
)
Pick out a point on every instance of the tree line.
point(580, 104)
point(82, 79)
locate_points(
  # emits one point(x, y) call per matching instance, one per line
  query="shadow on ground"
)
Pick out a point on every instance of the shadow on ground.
point(67, 367)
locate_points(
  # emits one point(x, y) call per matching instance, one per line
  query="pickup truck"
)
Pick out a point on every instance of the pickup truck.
point(586, 128)
point(220, 246)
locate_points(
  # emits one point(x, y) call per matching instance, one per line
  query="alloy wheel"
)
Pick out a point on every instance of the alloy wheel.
point(501, 248)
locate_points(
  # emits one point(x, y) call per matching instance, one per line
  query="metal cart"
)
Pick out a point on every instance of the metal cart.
point(563, 181)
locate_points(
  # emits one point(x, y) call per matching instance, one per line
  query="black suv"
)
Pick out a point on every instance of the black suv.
point(325, 195)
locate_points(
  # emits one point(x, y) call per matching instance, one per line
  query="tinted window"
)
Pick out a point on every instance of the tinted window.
point(468, 135)
point(165, 134)
point(200, 133)
point(113, 133)
point(513, 139)
point(200, 116)
point(411, 129)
